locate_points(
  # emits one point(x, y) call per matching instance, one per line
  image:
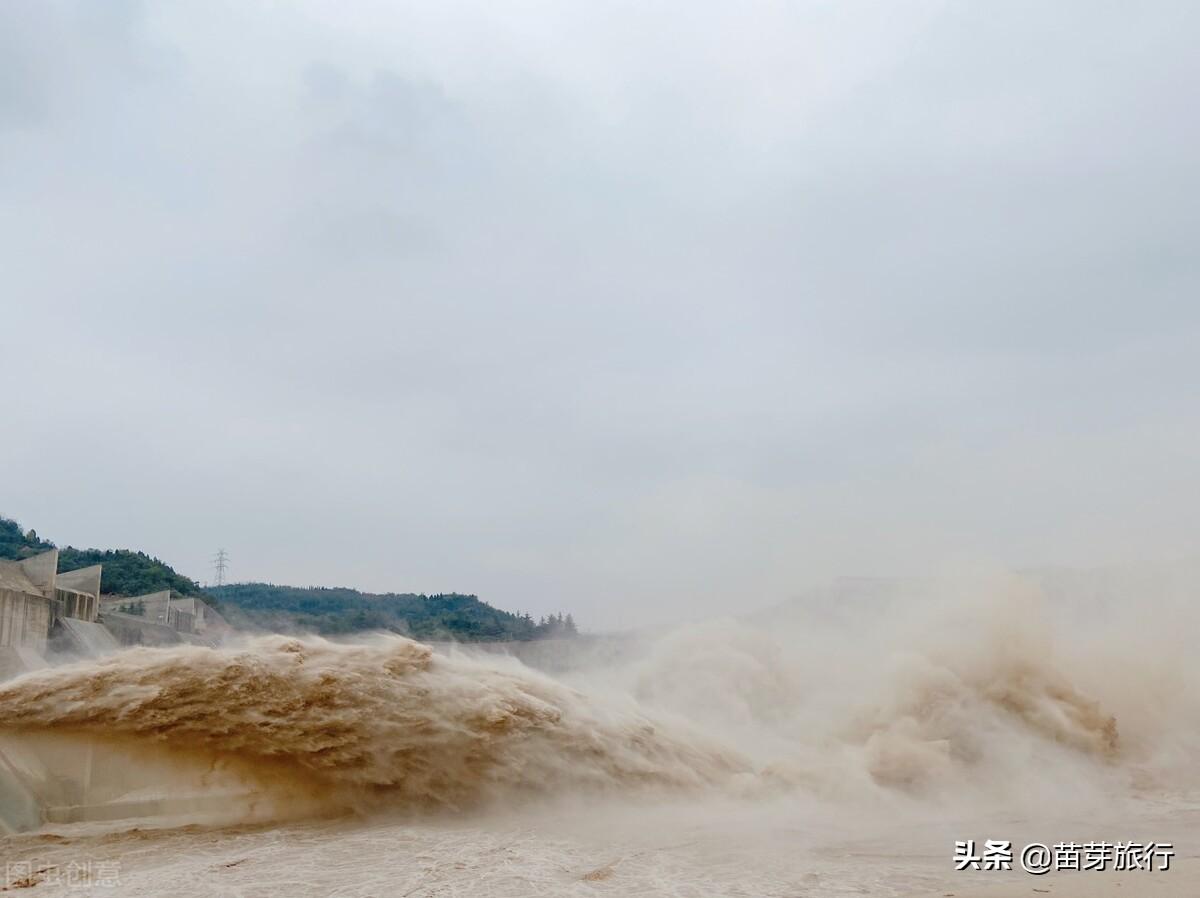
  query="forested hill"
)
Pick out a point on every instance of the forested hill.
point(334, 610)
point(126, 573)
point(263, 606)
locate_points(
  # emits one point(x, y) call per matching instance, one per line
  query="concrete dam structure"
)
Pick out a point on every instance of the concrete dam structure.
point(35, 601)
point(46, 617)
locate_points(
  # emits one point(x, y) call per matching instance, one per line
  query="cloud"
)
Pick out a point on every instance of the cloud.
point(619, 310)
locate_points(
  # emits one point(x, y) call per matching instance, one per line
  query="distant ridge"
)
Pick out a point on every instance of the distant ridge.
point(334, 610)
point(314, 609)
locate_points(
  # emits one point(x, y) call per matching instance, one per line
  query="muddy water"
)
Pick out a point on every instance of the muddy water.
point(826, 758)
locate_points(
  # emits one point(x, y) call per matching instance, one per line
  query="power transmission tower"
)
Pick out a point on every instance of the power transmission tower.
point(220, 563)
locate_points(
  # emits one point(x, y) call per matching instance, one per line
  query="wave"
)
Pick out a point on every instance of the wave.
point(388, 722)
point(844, 710)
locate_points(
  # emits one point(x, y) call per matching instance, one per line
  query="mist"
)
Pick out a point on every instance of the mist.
point(837, 744)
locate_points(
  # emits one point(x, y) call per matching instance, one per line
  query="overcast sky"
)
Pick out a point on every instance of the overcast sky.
point(634, 309)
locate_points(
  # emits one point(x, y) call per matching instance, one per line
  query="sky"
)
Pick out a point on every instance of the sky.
point(638, 310)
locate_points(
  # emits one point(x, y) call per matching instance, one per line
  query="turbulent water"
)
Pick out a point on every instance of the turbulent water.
point(720, 757)
point(386, 723)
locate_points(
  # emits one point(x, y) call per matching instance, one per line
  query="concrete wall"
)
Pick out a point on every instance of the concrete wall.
point(209, 622)
point(84, 580)
point(80, 605)
point(186, 615)
point(25, 619)
point(182, 621)
point(12, 576)
point(42, 570)
point(131, 629)
point(155, 602)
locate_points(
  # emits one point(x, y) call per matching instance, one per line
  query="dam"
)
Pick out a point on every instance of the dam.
point(46, 617)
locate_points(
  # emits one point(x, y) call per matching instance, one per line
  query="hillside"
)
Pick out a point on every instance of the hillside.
point(336, 610)
point(265, 606)
point(126, 573)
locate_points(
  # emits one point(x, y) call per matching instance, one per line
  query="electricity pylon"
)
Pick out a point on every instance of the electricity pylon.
point(220, 563)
